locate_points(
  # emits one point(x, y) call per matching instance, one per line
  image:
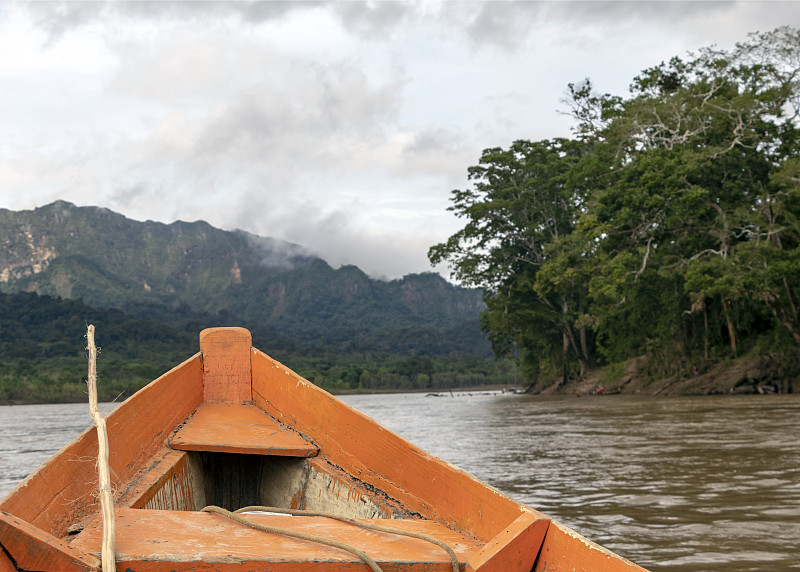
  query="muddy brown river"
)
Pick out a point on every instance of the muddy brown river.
point(681, 484)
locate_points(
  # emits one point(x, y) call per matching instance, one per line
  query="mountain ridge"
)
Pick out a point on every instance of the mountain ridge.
point(110, 261)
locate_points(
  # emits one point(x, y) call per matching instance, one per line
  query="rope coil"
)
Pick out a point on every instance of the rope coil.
point(236, 516)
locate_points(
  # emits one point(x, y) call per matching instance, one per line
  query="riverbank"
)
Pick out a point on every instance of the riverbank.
point(438, 392)
point(750, 374)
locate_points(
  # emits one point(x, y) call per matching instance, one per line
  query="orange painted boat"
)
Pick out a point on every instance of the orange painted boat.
point(232, 427)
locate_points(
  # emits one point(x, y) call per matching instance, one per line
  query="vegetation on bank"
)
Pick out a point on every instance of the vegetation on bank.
point(667, 227)
point(43, 358)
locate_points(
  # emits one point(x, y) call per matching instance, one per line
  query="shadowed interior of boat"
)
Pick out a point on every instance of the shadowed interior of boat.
point(213, 459)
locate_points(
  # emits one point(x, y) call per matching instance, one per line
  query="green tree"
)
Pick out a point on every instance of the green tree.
point(703, 188)
point(680, 200)
point(524, 204)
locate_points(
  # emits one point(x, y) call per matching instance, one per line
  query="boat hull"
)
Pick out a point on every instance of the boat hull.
point(233, 427)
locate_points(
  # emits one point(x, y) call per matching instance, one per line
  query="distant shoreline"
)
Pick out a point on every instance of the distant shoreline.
point(731, 380)
point(443, 392)
point(750, 374)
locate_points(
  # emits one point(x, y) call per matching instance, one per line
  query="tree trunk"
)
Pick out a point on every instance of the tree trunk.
point(570, 342)
point(584, 345)
point(583, 363)
point(790, 297)
point(705, 333)
point(731, 329)
point(582, 335)
point(584, 366)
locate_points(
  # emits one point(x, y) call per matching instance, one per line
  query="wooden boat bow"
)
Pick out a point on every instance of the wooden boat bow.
point(232, 427)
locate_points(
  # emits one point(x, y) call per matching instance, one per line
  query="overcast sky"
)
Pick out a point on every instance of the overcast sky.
point(341, 126)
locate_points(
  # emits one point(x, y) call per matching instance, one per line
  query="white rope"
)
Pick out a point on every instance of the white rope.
point(361, 523)
point(236, 516)
point(295, 534)
point(104, 472)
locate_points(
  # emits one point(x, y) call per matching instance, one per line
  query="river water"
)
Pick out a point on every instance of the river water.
point(681, 484)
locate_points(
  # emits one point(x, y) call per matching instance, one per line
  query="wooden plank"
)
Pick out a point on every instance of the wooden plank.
point(514, 549)
point(226, 365)
point(330, 489)
point(564, 550)
point(6, 565)
point(33, 549)
point(375, 455)
point(282, 566)
point(237, 428)
point(203, 538)
point(165, 483)
point(61, 492)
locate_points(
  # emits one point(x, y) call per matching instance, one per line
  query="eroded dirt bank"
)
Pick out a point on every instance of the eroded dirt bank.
point(749, 374)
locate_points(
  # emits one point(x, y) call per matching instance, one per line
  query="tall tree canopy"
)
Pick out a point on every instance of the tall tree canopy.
point(668, 225)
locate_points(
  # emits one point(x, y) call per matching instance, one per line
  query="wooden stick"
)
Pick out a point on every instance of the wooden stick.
point(104, 472)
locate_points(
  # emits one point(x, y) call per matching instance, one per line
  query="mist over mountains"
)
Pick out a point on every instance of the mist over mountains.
point(181, 271)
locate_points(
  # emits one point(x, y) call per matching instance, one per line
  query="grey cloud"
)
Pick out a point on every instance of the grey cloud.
point(340, 239)
point(510, 24)
point(431, 141)
point(252, 11)
point(124, 196)
point(248, 112)
point(438, 151)
point(303, 117)
point(374, 19)
point(57, 17)
point(275, 253)
point(505, 24)
point(588, 11)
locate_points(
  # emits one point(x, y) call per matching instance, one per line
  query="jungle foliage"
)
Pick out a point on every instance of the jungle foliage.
point(43, 356)
point(668, 225)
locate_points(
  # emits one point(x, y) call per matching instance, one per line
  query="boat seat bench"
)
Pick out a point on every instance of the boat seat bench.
point(204, 541)
point(239, 428)
point(212, 428)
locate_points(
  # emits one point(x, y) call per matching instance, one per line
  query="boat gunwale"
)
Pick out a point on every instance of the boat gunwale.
point(470, 506)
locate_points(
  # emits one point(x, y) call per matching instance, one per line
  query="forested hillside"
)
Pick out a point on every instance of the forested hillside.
point(667, 227)
point(150, 288)
point(146, 269)
point(43, 357)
